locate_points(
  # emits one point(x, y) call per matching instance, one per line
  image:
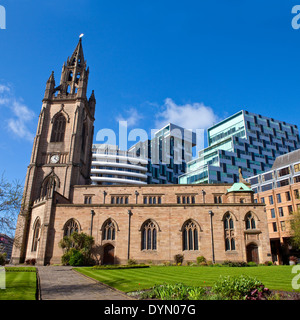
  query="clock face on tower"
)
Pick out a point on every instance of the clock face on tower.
point(54, 158)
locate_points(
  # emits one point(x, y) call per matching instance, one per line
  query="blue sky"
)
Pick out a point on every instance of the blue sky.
point(150, 62)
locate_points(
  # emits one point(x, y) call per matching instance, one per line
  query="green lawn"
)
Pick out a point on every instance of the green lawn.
point(20, 284)
point(127, 280)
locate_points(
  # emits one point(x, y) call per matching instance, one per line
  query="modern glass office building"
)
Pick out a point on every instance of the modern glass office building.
point(244, 140)
point(167, 153)
point(160, 160)
point(111, 166)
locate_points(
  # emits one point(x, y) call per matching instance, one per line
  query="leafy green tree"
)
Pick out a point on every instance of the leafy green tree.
point(77, 248)
point(295, 228)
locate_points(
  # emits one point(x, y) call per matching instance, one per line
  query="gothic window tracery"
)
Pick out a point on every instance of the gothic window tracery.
point(190, 236)
point(250, 221)
point(149, 236)
point(229, 232)
point(109, 230)
point(70, 227)
point(58, 129)
point(36, 236)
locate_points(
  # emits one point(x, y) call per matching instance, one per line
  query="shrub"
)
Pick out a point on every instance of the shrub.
point(240, 288)
point(77, 246)
point(30, 262)
point(2, 259)
point(251, 264)
point(65, 259)
point(178, 258)
point(115, 266)
point(268, 263)
point(293, 259)
point(176, 291)
point(77, 258)
point(201, 259)
point(229, 263)
point(131, 262)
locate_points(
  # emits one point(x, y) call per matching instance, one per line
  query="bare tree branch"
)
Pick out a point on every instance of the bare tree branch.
point(10, 204)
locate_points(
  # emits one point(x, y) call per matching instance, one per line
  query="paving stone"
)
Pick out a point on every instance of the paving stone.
point(63, 283)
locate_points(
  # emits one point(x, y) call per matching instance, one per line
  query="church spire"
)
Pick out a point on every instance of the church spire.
point(74, 76)
point(77, 59)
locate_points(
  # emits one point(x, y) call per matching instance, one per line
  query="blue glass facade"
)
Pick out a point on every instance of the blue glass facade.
point(245, 140)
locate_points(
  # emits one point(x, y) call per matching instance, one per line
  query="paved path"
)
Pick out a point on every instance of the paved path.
point(63, 283)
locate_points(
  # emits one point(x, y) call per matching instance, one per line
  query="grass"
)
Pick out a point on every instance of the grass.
point(127, 280)
point(20, 284)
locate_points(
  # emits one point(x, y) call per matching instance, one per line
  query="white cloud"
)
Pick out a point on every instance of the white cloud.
point(21, 115)
point(4, 88)
point(189, 116)
point(133, 117)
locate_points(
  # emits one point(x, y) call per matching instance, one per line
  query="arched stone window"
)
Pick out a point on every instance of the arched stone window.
point(36, 235)
point(149, 235)
point(250, 221)
point(229, 232)
point(190, 239)
point(109, 230)
point(70, 227)
point(58, 129)
point(49, 184)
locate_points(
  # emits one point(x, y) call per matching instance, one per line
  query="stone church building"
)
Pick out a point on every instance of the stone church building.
point(145, 223)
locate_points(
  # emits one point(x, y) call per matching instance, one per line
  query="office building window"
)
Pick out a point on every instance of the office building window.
point(272, 213)
point(274, 226)
point(280, 211)
point(297, 167)
point(278, 196)
point(271, 200)
point(287, 196)
point(282, 225)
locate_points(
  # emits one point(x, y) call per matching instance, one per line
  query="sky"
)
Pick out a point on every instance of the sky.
point(192, 62)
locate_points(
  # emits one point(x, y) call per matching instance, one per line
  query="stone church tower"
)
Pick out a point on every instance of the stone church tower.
point(62, 150)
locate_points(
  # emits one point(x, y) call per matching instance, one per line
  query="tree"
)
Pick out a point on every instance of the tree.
point(10, 204)
point(295, 228)
point(77, 247)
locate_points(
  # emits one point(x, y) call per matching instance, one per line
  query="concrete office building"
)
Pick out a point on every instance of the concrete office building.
point(279, 190)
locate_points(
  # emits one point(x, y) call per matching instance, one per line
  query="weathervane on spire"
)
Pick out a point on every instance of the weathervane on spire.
point(81, 35)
